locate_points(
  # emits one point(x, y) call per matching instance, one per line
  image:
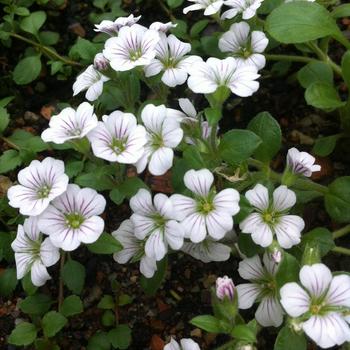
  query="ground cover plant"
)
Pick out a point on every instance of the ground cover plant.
point(181, 178)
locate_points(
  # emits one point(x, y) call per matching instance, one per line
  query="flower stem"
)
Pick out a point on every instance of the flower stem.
point(291, 58)
point(60, 286)
point(300, 184)
point(10, 143)
point(325, 58)
point(47, 50)
point(341, 232)
point(341, 250)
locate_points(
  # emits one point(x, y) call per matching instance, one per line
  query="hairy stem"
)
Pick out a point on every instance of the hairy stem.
point(341, 250)
point(300, 184)
point(341, 232)
point(291, 58)
point(47, 51)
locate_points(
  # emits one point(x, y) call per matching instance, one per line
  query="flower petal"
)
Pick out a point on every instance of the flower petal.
point(251, 268)
point(339, 291)
point(315, 278)
point(39, 274)
point(199, 181)
point(247, 294)
point(294, 299)
point(258, 197)
point(269, 312)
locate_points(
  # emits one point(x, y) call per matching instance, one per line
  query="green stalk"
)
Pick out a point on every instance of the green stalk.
point(289, 58)
point(341, 250)
point(47, 51)
point(341, 232)
point(60, 285)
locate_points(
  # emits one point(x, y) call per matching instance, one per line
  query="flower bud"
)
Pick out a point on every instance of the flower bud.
point(100, 62)
point(225, 288)
point(311, 254)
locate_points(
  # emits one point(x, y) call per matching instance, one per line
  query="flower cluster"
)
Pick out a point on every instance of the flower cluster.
point(67, 214)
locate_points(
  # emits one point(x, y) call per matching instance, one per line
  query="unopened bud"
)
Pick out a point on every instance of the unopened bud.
point(311, 254)
point(296, 325)
point(225, 288)
point(100, 62)
point(276, 256)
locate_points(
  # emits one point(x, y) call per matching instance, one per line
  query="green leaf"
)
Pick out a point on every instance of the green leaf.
point(9, 160)
point(341, 11)
point(213, 115)
point(27, 70)
point(244, 333)
point(193, 158)
point(320, 237)
point(289, 340)
point(288, 270)
point(71, 305)
point(131, 185)
point(324, 146)
point(116, 196)
point(108, 318)
point(180, 31)
point(73, 274)
point(24, 334)
point(106, 244)
point(4, 119)
point(28, 285)
point(247, 246)
point(33, 22)
point(237, 146)
point(315, 72)
point(52, 323)
point(73, 168)
point(174, 3)
point(269, 131)
point(36, 304)
point(99, 341)
point(198, 27)
point(22, 11)
point(151, 285)
point(120, 337)
point(345, 67)
point(125, 299)
point(299, 22)
point(106, 303)
point(207, 322)
point(45, 344)
point(6, 100)
point(337, 200)
point(84, 49)
point(323, 96)
point(6, 251)
point(98, 179)
point(8, 282)
point(49, 38)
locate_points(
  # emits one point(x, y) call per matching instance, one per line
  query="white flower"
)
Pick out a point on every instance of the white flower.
point(320, 304)
point(112, 28)
point(246, 47)
point(33, 254)
point(118, 138)
point(301, 162)
point(100, 62)
point(262, 289)
point(225, 288)
point(207, 250)
point(133, 249)
point(206, 77)
point(39, 184)
point(162, 27)
point(134, 46)
point(92, 81)
point(70, 124)
point(157, 222)
point(246, 7)
point(163, 134)
point(72, 218)
point(209, 213)
point(172, 60)
point(210, 7)
point(271, 217)
point(185, 344)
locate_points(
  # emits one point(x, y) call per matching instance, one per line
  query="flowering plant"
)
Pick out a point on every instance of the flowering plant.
point(160, 106)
